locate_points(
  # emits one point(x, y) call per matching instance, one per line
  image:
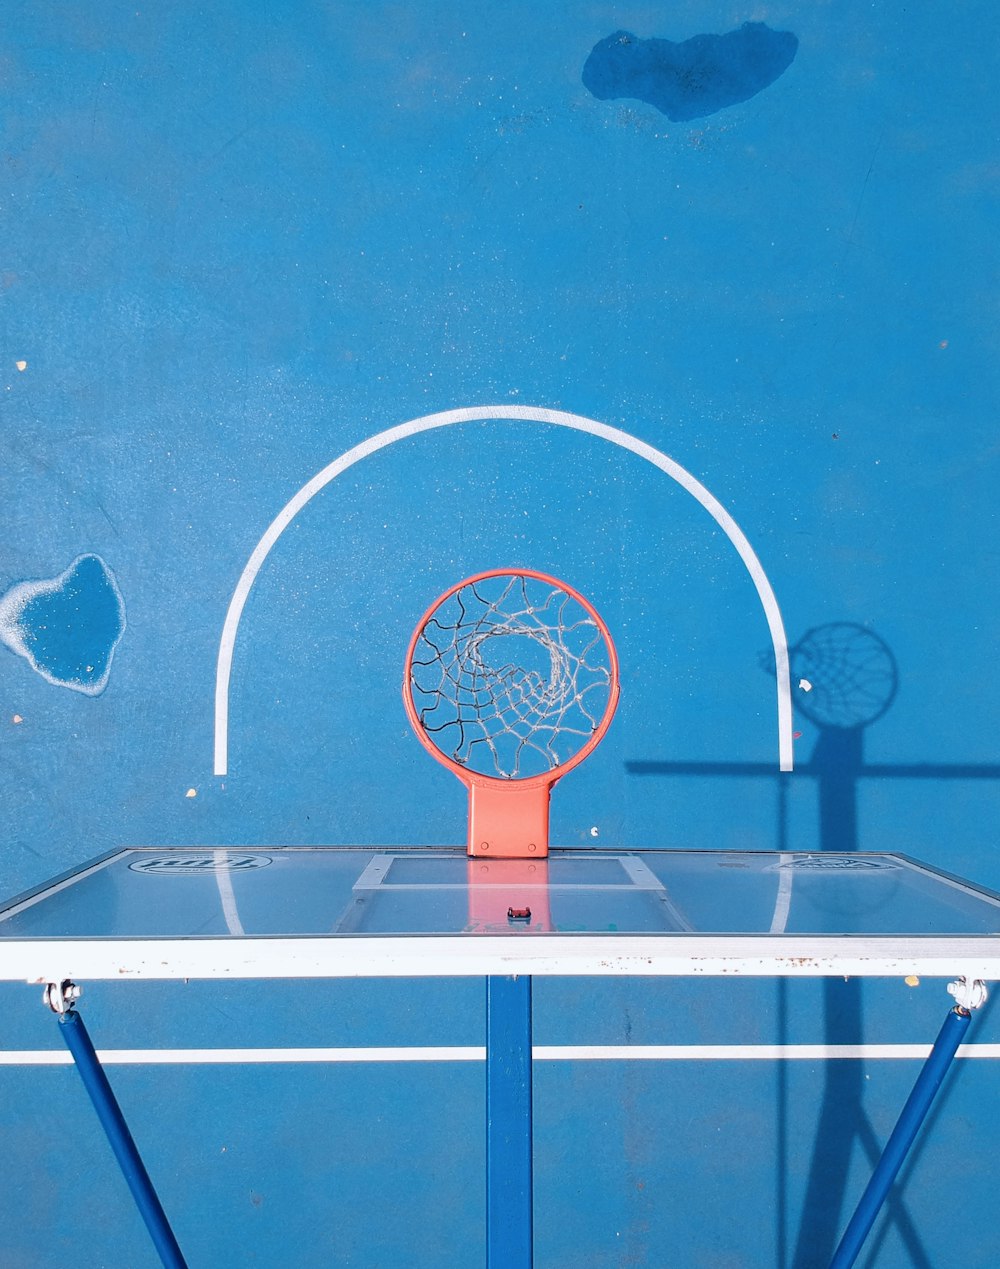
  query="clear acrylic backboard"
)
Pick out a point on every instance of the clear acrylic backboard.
point(275, 912)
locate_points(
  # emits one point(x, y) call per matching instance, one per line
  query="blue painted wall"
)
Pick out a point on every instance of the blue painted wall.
point(240, 240)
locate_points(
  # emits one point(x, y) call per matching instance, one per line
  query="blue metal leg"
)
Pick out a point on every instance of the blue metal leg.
point(108, 1111)
point(508, 1123)
point(899, 1143)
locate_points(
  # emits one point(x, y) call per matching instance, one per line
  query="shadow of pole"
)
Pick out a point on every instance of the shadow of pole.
point(837, 764)
point(847, 679)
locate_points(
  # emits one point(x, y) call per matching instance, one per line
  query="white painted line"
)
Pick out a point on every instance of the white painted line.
point(521, 413)
point(477, 1053)
point(783, 899)
point(165, 1057)
point(747, 1052)
point(224, 882)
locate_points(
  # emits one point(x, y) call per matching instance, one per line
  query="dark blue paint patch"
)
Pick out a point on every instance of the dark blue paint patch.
point(695, 77)
point(67, 627)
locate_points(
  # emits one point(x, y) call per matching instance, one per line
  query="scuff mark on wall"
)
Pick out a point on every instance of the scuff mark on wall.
point(692, 78)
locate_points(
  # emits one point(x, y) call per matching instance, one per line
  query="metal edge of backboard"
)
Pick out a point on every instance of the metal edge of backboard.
point(459, 956)
point(634, 853)
point(52, 885)
point(949, 878)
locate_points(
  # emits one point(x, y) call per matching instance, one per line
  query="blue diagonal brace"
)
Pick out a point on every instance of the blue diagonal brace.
point(897, 1147)
point(78, 1042)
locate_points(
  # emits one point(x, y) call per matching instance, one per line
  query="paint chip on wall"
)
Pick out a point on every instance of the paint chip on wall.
point(67, 627)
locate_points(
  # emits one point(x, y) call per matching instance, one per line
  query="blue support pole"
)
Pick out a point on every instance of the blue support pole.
point(113, 1122)
point(914, 1112)
point(508, 1123)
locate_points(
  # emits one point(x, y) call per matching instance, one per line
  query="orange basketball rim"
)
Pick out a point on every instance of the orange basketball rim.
point(510, 681)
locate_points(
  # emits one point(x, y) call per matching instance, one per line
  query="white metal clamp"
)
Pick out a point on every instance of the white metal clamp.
point(60, 997)
point(970, 993)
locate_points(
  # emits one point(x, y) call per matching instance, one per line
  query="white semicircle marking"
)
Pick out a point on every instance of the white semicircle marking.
point(480, 413)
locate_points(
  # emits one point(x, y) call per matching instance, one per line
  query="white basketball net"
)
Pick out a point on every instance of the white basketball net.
point(510, 676)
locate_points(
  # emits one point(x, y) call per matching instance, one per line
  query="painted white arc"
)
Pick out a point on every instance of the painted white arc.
point(521, 413)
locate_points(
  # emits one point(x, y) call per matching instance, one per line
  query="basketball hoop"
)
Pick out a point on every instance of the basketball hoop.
point(511, 680)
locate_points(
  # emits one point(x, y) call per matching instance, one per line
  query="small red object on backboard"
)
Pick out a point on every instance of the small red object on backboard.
point(511, 680)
